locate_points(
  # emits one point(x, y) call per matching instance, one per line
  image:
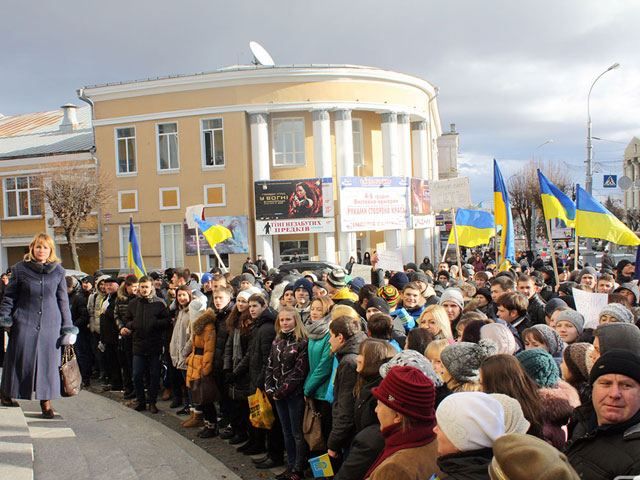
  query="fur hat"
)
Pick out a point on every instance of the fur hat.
point(337, 278)
point(389, 294)
point(521, 457)
point(399, 280)
point(555, 344)
point(411, 358)
point(452, 295)
point(409, 392)
point(502, 337)
point(471, 420)
point(514, 421)
point(621, 362)
point(540, 366)
point(618, 311)
point(575, 358)
point(304, 284)
point(379, 303)
point(573, 317)
point(625, 336)
point(554, 304)
point(462, 360)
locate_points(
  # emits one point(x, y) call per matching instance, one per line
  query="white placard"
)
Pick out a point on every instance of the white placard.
point(589, 305)
point(193, 211)
point(363, 271)
point(423, 221)
point(390, 260)
point(450, 193)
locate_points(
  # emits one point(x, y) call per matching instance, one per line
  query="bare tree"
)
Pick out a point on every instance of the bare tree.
point(524, 193)
point(615, 206)
point(633, 219)
point(73, 193)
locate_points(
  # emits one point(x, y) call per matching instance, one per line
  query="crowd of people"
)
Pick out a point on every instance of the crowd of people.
point(447, 373)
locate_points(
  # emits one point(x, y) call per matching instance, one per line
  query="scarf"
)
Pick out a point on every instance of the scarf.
point(318, 330)
point(237, 348)
point(395, 439)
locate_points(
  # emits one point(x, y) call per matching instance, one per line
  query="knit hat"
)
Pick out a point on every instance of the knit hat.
point(551, 338)
point(409, 392)
point(88, 279)
point(621, 362)
point(399, 280)
point(540, 366)
point(304, 284)
point(389, 294)
point(411, 266)
point(452, 295)
point(485, 292)
point(589, 271)
point(618, 311)
point(514, 421)
point(575, 358)
point(411, 358)
point(247, 277)
point(554, 304)
point(632, 287)
point(379, 303)
point(356, 284)
point(521, 457)
point(206, 277)
point(108, 280)
point(420, 277)
point(471, 420)
point(462, 360)
point(502, 337)
point(288, 288)
point(575, 318)
point(246, 294)
point(625, 336)
point(337, 278)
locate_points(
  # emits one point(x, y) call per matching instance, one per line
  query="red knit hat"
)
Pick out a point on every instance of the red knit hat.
point(409, 392)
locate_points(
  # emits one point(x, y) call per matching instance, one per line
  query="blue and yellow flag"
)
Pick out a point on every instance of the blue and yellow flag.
point(214, 234)
point(502, 210)
point(595, 221)
point(475, 227)
point(556, 203)
point(135, 257)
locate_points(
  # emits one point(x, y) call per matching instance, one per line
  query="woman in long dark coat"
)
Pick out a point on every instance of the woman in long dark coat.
point(36, 308)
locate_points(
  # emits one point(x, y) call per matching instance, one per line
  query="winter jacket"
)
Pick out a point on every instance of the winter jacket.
point(344, 296)
point(599, 453)
point(203, 340)
point(235, 367)
point(148, 319)
point(320, 360)
point(221, 334)
point(343, 427)
point(368, 442)
point(287, 367)
point(180, 337)
point(471, 465)
point(259, 348)
point(79, 313)
point(304, 313)
point(121, 307)
point(535, 311)
point(417, 463)
point(108, 329)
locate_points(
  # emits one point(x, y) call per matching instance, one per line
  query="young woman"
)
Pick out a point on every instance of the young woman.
point(418, 339)
point(286, 371)
point(545, 337)
point(435, 319)
point(569, 325)
point(288, 298)
point(574, 369)
point(433, 354)
point(180, 337)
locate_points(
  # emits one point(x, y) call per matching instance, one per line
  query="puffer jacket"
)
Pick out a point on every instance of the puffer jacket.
point(471, 465)
point(203, 341)
point(149, 320)
point(94, 307)
point(255, 361)
point(221, 334)
point(343, 427)
point(122, 306)
point(287, 366)
point(320, 360)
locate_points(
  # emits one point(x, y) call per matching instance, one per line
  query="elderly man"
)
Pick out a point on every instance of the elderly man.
point(605, 436)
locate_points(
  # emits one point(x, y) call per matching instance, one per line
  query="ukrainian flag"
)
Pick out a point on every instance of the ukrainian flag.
point(134, 257)
point(555, 203)
point(475, 227)
point(503, 217)
point(595, 221)
point(214, 234)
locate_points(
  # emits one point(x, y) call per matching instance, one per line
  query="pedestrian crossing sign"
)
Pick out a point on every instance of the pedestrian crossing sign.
point(610, 181)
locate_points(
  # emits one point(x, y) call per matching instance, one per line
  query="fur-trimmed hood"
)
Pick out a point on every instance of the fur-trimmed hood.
point(207, 317)
point(558, 403)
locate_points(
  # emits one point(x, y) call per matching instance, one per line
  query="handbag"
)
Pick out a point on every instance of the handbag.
point(70, 377)
point(204, 390)
point(260, 410)
point(312, 427)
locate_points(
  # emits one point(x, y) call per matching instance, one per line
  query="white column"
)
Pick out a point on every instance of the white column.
point(636, 178)
point(324, 169)
point(420, 144)
point(404, 144)
point(391, 165)
point(344, 161)
point(628, 201)
point(260, 157)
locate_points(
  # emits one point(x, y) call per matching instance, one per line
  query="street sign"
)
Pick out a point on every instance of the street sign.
point(625, 183)
point(610, 181)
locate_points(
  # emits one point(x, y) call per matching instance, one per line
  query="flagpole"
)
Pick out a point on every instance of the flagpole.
point(455, 236)
point(547, 224)
point(198, 247)
point(444, 256)
point(577, 253)
point(225, 269)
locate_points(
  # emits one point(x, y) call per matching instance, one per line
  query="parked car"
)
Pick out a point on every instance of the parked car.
point(78, 274)
point(305, 266)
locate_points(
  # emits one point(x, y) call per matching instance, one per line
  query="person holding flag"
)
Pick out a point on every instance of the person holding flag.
point(214, 234)
point(504, 219)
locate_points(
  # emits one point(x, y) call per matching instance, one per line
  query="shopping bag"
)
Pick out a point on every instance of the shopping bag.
point(312, 427)
point(70, 378)
point(260, 411)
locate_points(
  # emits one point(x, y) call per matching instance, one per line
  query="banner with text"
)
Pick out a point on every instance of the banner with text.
point(374, 203)
point(421, 204)
point(239, 243)
point(291, 199)
point(290, 227)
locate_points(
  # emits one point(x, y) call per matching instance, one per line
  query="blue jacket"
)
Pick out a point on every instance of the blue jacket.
point(320, 366)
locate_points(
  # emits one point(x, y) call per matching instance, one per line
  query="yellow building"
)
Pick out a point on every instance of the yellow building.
point(31, 147)
point(168, 143)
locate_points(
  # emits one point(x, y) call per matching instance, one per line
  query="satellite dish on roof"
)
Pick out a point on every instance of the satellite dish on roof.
point(260, 55)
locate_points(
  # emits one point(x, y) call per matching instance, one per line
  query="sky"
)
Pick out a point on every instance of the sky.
point(511, 74)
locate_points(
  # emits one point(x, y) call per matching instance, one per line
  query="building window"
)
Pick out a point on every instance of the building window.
point(358, 143)
point(124, 244)
point(288, 141)
point(169, 198)
point(215, 195)
point(127, 201)
point(168, 146)
point(171, 243)
point(23, 197)
point(292, 249)
point(212, 143)
point(126, 150)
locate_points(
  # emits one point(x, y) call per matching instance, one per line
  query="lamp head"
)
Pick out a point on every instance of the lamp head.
point(613, 67)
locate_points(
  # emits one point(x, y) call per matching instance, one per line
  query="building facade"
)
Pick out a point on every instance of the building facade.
point(168, 143)
point(631, 169)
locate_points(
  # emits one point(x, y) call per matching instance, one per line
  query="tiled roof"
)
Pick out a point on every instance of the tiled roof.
point(35, 134)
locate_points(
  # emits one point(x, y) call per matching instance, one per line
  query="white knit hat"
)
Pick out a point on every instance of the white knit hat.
point(502, 337)
point(471, 420)
point(514, 421)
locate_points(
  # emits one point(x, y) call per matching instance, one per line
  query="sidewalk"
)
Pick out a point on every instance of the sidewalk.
point(93, 437)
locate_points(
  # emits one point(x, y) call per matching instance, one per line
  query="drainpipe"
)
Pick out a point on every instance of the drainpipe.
point(84, 98)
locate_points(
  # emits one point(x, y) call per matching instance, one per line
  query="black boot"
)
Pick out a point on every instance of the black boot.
point(208, 431)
